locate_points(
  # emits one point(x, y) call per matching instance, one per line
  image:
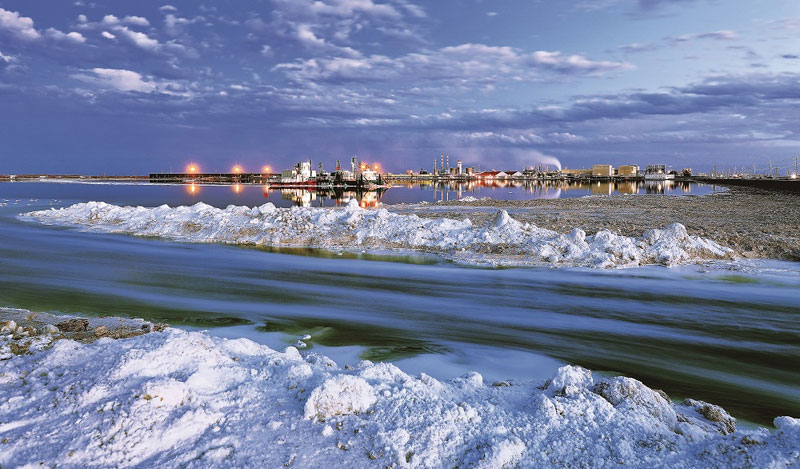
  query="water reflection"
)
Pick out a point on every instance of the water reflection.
point(312, 197)
point(430, 191)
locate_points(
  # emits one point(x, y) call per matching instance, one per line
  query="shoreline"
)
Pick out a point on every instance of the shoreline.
point(754, 223)
point(174, 397)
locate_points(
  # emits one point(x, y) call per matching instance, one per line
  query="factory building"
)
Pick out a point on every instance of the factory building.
point(602, 170)
point(628, 170)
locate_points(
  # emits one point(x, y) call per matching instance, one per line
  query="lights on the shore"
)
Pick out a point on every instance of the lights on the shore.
point(794, 175)
point(192, 168)
point(237, 169)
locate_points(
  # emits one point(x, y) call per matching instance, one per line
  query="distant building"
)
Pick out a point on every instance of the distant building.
point(576, 172)
point(657, 172)
point(514, 174)
point(489, 175)
point(628, 170)
point(602, 170)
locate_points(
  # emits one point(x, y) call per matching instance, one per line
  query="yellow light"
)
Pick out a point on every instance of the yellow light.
point(237, 188)
point(363, 166)
point(794, 176)
point(237, 169)
point(193, 189)
point(266, 169)
point(192, 168)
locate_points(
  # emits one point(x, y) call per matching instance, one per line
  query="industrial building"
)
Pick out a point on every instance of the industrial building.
point(602, 170)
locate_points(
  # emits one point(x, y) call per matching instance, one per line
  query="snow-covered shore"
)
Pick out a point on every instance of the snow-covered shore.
point(177, 398)
point(505, 242)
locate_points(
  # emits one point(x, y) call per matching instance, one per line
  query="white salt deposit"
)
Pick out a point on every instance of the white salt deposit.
point(184, 399)
point(506, 241)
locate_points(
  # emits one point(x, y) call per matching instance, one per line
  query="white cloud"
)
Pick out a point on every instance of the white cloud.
point(175, 23)
point(118, 79)
point(266, 50)
point(491, 13)
point(72, 37)
point(7, 58)
point(110, 20)
point(349, 7)
point(82, 19)
point(168, 8)
point(465, 63)
point(136, 20)
point(721, 35)
point(19, 26)
point(108, 35)
point(140, 40)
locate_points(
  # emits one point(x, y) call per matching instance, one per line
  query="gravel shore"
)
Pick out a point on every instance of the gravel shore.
point(754, 223)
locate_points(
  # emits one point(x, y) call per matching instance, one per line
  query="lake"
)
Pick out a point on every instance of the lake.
point(730, 336)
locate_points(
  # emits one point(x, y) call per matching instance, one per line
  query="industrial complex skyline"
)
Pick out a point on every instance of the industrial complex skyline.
point(96, 86)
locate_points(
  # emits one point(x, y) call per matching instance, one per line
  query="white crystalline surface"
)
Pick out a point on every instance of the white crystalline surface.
point(185, 399)
point(506, 241)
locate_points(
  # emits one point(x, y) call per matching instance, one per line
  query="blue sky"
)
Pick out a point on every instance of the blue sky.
point(133, 87)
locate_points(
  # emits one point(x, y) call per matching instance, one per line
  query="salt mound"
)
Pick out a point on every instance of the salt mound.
point(340, 395)
point(176, 398)
point(505, 242)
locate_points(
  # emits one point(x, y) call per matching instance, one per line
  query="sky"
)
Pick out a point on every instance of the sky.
point(123, 87)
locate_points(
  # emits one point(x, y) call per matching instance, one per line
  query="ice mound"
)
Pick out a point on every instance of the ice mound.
point(506, 241)
point(185, 399)
point(340, 395)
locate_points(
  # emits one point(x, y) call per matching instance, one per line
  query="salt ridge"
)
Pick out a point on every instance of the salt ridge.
point(186, 399)
point(506, 241)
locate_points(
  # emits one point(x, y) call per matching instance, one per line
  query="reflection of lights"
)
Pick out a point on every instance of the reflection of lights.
point(237, 188)
point(237, 169)
point(192, 168)
point(193, 189)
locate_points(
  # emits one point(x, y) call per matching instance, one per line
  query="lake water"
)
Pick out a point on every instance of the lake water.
point(730, 337)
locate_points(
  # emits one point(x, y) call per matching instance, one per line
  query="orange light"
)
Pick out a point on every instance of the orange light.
point(193, 189)
point(192, 168)
point(237, 188)
point(237, 169)
point(266, 169)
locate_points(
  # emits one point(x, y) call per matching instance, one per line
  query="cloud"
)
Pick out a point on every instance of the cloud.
point(118, 79)
point(168, 8)
point(20, 27)
point(72, 37)
point(108, 35)
point(8, 59)
point(721, 35)
point(174, 24)
point(136, 21)
point(139, 39)
point(465, 63)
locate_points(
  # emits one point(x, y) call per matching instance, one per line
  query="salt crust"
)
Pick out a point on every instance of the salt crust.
point(505, 242)
point(185, 399)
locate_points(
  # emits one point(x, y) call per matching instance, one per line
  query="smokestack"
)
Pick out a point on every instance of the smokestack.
point(353, 165)
point(441, 164)
point(459, 168)
point(338, 165)
point(448, 163)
